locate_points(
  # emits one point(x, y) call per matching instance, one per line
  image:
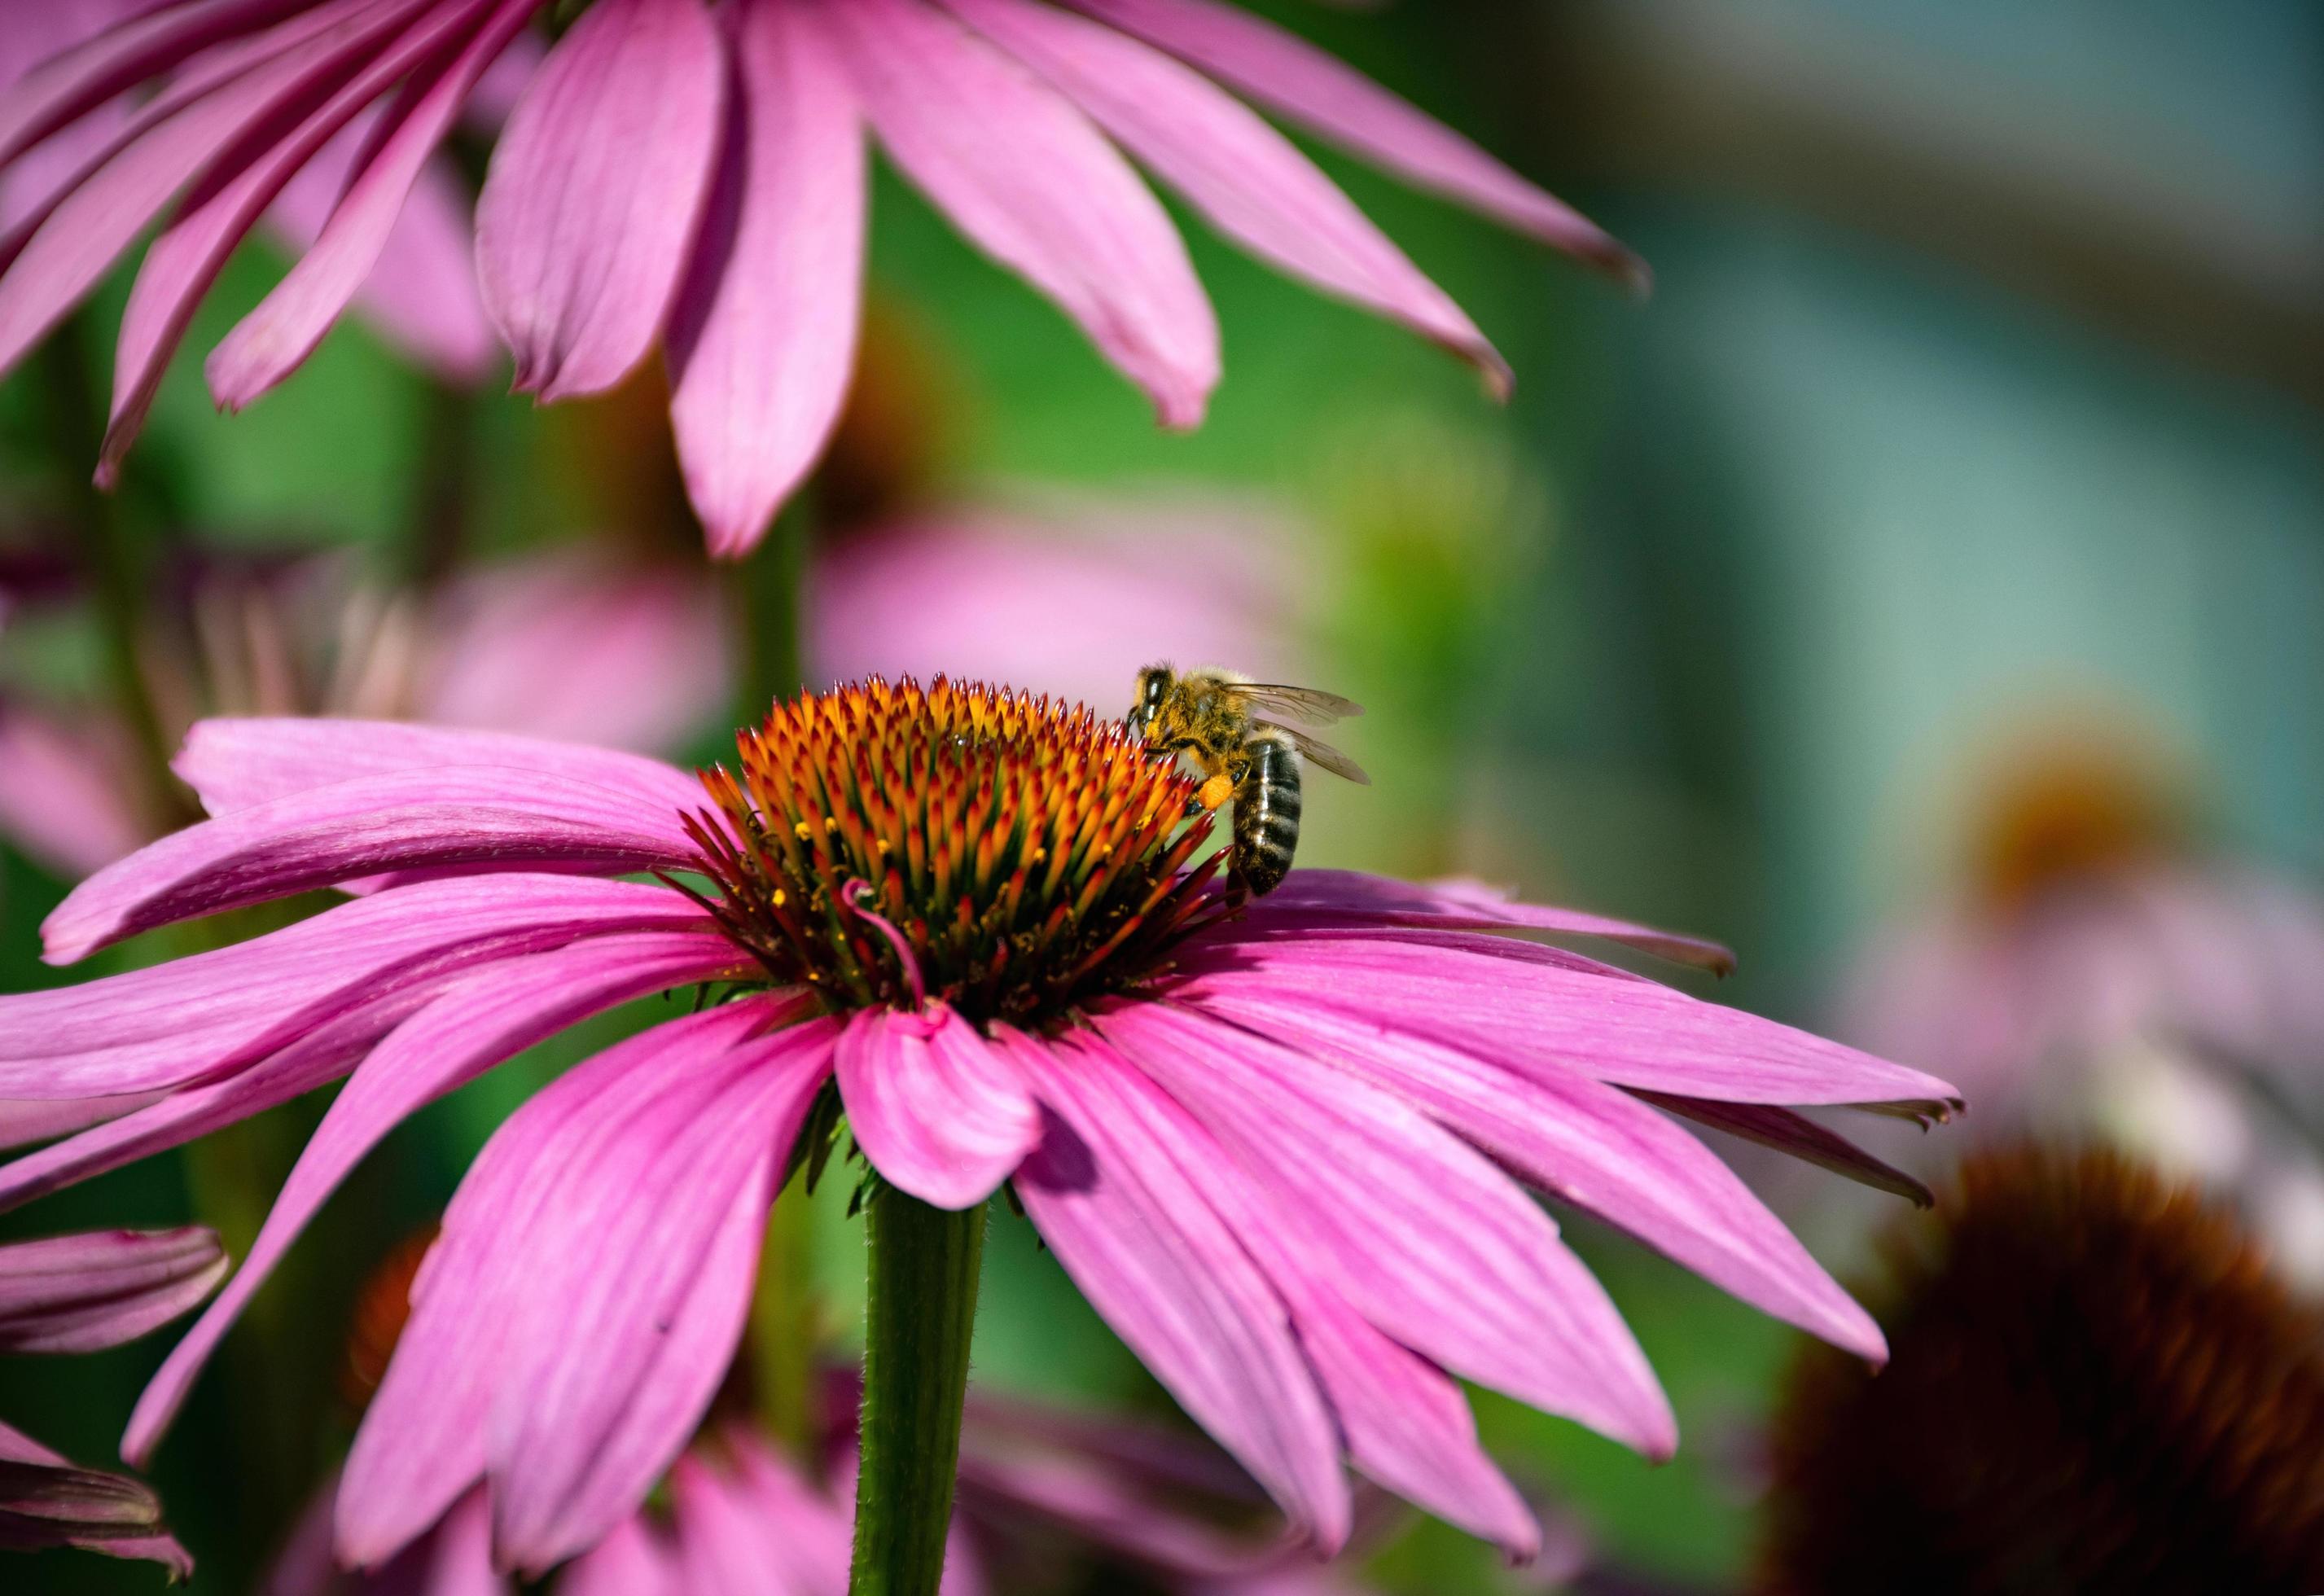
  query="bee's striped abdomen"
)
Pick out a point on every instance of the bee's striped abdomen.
point(1267, 814)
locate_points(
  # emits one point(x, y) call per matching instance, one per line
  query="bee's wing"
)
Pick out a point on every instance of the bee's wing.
point(1306, 706)
point(1317, 752)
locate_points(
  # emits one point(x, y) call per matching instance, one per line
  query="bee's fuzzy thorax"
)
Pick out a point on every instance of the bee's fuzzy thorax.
point(1028, 854)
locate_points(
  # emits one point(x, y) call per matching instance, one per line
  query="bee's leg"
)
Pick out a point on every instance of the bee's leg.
point(1217, 791)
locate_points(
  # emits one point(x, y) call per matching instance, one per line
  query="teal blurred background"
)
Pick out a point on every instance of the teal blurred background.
point(1984, 375)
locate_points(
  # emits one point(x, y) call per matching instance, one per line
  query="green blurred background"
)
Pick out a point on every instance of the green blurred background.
point(1983, 376)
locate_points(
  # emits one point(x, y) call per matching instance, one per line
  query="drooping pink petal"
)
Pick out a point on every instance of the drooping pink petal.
point(595, 190)
point(1799, 1136)
point(575, 1317)
point(1600, 1149)
point(392, 211)
point(27, 1120)
point(1311, 88)
point(1535, 1016)
point(1401, 1420)
point(473, 816)
point(1024, 176)
point(46, 1502)
point(68, 86)
point(599, 651)
point(1434, 1245)
point(762, 339)
point(233, 764)
point(79, 1294)
point(71, 247)
point(938, 1112)
point(1133, 1230)
point(1246, 178)
point(210, 1013)
point(1316, 898)
point(757, 1527)
point(226, 203)
point(634, 1560)
point(475, 1024)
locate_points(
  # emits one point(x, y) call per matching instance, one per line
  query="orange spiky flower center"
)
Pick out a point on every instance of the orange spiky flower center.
point(885, 844)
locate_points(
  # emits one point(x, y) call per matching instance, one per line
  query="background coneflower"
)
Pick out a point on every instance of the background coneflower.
point(2096, 1385)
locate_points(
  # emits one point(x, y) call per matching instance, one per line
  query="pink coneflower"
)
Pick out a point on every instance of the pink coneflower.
point(81, 1294)
point(1274, 1147)
point(693, 175)
point(2098, 968)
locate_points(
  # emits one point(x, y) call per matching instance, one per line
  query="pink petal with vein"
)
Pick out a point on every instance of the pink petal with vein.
point(1133, 1230)
point(209, 1013)
point(1024, 176)
point(373, 215)
point(233, 764)
point(763, 340)
point(474, 1025)
point(27, 1120)
point(475, 817)
point(1429, 1240)
point(186, 259)
point(1302, 83)
point(1248, 178)
point(937, 1110)
point(1600, 1149)
point(590, 208)
point(81, 1294)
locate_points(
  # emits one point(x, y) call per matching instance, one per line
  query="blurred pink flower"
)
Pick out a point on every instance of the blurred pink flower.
point(1273, 1148)
point(422, 299)
point(576, 645)
point(695, 177)
point(81, 1294)
point(2098, 969)
point(1071, 612)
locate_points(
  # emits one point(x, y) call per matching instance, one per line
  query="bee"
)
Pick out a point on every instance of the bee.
point(1234, 731)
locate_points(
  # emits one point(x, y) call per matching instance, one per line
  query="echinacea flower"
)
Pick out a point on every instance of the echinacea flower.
point(2099, 969)
point(1278, 1145)
point(696, 176)
point(2097, 1386)
point(574, 643)
point(81, 1294)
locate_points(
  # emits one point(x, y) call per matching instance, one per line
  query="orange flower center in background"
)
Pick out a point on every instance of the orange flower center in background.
point(383, 1308)
point(2069, 817)
point(1007, 855)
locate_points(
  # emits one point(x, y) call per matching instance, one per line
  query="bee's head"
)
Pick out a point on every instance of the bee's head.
point(1153, 686)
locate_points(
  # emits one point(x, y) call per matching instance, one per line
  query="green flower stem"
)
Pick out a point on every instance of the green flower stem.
point(921, 1311)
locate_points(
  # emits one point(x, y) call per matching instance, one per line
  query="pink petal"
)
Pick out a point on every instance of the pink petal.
point(758, 1529)
point(27, 1120)
point(1313, 898)
point(186, 259)
point(474, 1025)
point(1600, 1149)
point(1238, 171)
point(590, 1208)
point(51, 1503)
point(1026, 176)
point(1798, 1137)
point(1533, 1018)
point(209, 1013)
point(578, 646)
point(1309, 87)
point(173, 140)
point(394, 210)
point(68, 86)
point(763, 340)
point(233, 764)
point(590, 208)
point(1434, 1245)
point(79, 1294)
point(630, 1561)
point(935, 1110)
point(1136, 1234)
point(490, 819)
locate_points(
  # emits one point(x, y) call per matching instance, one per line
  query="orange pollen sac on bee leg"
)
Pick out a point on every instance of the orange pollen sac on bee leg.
point(1028, 855)
point(1217, 791)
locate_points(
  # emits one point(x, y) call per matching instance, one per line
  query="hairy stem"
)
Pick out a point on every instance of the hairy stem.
point(921, 1311)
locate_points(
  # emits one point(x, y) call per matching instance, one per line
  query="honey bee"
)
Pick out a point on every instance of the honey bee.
point(1234, 732)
